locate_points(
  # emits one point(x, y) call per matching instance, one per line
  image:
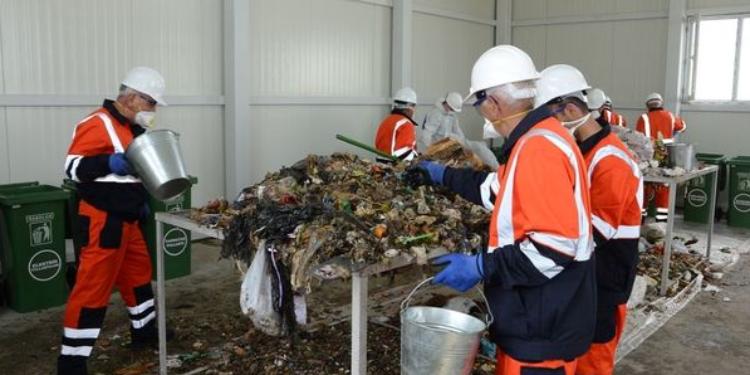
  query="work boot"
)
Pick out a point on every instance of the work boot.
point(147, 336)
point(71, 365)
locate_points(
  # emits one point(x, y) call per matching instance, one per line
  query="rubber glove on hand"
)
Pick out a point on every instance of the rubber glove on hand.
point(425, 173)
point(462, 272)
point(119, 165)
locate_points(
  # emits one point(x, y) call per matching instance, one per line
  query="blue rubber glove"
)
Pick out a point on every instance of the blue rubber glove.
point(119, 165)
point(462, 271)
point(435, 170)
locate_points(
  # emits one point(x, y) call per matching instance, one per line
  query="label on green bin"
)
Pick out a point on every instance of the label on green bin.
point(742, 202)
point(174, 204)
point(697, 198)
point(743, 181)
point(175, 242)
point(45, 265)
point(40, 228)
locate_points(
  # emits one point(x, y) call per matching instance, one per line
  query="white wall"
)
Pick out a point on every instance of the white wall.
point(311, 80)
point(60, 59)
point(621, 46)
point(315, 69)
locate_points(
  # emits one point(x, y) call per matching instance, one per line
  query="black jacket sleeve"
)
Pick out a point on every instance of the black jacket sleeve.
point(474, 186)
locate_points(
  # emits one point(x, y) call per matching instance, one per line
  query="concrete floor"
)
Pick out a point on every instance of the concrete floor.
point(710, 336)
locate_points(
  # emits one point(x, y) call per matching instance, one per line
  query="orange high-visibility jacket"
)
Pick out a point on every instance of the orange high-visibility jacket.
point(616, 203)
point(95, 138)
point(614, 118)
point(659, 120)
point(539, 276)
point(397, 136)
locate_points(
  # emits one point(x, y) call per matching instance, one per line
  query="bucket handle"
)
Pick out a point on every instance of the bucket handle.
point(405, 303)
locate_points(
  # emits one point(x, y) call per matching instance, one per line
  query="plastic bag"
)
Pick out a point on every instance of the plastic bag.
point(255, 294)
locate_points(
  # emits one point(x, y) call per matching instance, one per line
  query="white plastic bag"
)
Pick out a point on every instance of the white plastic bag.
point(256, 299)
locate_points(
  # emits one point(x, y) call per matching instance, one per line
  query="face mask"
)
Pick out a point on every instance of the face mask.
point(575, 124)
point(489, 131)
point(145, 119)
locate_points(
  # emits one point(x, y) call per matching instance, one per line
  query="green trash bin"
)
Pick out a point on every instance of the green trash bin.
point(176, 241)
point(739, 191)
point(700, 188)
point(32, 244)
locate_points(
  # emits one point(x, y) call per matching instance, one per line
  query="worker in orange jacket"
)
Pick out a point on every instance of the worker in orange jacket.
point(397, 134)
point(609, 115)
point(111, 210)
point(538, 271)
point(616, 191)
point(659, 122)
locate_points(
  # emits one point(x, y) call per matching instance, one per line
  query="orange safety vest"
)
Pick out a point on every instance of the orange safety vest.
point(660, 121)
point(397, 136)
point(614, 118)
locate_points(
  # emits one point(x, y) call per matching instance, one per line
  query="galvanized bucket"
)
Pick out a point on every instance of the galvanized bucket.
point(157, 160)
point(439, 341)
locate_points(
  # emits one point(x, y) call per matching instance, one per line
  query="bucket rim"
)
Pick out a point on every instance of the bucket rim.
point(431, 328)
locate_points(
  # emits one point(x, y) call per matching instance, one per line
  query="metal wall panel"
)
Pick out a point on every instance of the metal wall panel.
point(708, 4)
point(540, 9)
point(444, 52)
point(718, 132)
point(85, 46)
point(533, 40)
point(572, 44)
point(639, 67)
point(39, 139)
point(286, 134)
point(484, 9)
point(529, 9)
point(320, 48)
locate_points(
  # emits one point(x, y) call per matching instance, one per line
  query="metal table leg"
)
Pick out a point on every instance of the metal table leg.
point(160, 299)
point(711, 213)
point(668, 240)
point(359, 323)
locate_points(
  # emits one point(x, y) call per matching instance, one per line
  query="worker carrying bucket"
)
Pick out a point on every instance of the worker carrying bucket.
point(538, 271)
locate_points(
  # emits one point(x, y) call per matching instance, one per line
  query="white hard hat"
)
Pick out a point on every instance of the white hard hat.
point(608, 100)
point(455, 101)
point(405, 95)
point(501, 65)
point(558, 81)
point(147, 81)
point(654, 96)
point(597, 98)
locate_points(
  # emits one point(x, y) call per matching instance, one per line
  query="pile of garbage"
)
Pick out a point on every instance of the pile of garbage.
point(324, 207)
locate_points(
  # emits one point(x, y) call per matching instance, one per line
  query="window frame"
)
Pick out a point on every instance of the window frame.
point(691, 48)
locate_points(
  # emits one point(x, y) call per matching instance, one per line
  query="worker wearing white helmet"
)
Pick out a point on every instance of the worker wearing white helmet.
point(605, 108)
point(112, 208)
point(616, 191)
point(537, 270)
point(441, 122)
point(659, 123)
point(397, 135)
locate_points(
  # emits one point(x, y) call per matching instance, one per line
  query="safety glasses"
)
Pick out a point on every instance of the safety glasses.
point(148, 99)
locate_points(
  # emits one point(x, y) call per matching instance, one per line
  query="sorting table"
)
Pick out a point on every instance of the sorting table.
point(359, 273)
point(673, 182)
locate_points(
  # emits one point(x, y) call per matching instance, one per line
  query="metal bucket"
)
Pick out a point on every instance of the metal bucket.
point(157, 160)
point(439, 341)
point(682, 155)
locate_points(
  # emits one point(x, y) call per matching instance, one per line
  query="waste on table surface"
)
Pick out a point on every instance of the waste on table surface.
point(342, 206)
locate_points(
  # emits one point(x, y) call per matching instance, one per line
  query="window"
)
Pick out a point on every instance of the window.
point(718, 59)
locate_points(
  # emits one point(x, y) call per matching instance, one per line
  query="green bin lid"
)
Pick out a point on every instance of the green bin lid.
point(710, 158)
point(33, 194)
point(743, 161)
point(16, 185)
